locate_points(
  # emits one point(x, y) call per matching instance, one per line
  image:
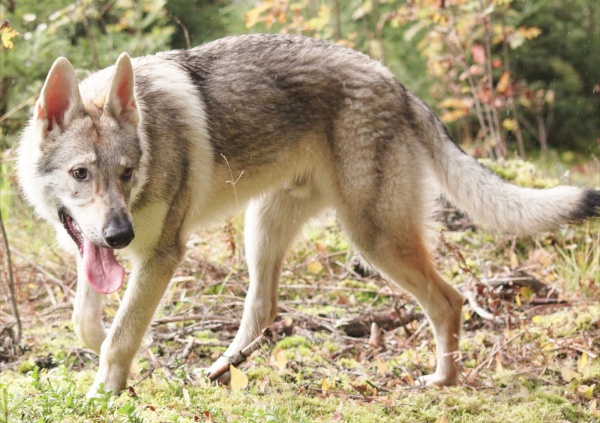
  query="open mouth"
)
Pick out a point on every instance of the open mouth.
point(72, 229)
point(104, 273)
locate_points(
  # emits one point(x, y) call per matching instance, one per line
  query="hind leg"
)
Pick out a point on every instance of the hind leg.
point(402, 256)
point(272, 222)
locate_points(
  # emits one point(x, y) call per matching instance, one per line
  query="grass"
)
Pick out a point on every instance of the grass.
point(542, 364)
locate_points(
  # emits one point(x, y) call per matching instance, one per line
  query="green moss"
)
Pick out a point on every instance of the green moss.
point(347, 363)
point(291, 342)
point(520, 172)
point(26, 366)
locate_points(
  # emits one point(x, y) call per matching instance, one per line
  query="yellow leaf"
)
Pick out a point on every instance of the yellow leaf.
point(314, 267)
point(526, 293)
point(322, 19)
point(382, 366)
point(518, 300)
point(503, 84)
point(455, 103)
point(529, 33)
point(239, 380)
point(467, 316)
point(510, 125)
point(254, 15)
point(568, 374)
point(594, 407)
point(536, 319)
point(280, 357)
point(324, 385)
point(583, 364)
point(586, 391)
point(6, 35)
point(449, 117)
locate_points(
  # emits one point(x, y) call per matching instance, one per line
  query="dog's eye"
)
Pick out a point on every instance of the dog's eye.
point(80, 173)
point(127, 174)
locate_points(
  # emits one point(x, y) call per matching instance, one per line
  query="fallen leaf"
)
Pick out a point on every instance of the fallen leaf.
point(314, 267)
point(583, 365)
point(239, 380)
point(280, 357)
point(568, 374)
point(443, 419)
point(518, 300)
point(408, 379)
point(586, 391)
point(594, 407)
point(526, 292)
point(382, 366)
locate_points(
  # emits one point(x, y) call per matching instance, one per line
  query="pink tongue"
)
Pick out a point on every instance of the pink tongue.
point(104, 272)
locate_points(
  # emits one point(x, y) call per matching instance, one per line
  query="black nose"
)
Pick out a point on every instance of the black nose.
point(119, 232)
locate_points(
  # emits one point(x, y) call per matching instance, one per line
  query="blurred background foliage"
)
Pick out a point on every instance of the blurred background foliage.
point(509, 77)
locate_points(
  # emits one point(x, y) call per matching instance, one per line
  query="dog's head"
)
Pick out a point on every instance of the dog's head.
point(82, 159)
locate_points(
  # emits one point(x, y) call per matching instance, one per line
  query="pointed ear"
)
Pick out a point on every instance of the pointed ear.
point(60, 99)
point(120, 101)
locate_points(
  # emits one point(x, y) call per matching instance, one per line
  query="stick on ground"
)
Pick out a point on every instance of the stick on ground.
point(237, 359)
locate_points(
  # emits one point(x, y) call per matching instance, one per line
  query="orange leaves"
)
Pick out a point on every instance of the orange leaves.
point(503, 86)
point(290, 16)
point(267, 12)
point(455, 108)
point(522, 34)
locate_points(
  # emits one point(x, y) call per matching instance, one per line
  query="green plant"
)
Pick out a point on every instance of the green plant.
point(579, 253)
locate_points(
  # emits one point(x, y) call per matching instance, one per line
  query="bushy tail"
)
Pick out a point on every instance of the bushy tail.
point(497, 204)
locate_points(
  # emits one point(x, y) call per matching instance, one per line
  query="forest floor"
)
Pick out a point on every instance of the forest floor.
point(530, 347)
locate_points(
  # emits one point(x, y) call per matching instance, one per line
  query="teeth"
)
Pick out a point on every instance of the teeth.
point(73, 230)
point(75, 226)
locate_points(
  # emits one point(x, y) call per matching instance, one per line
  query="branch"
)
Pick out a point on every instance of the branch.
point(237, 359)
point(11, 283)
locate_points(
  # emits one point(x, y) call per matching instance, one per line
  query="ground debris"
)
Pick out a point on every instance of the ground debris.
point(360, 326)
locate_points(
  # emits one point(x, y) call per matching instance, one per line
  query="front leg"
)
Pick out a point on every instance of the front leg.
point(147, 284)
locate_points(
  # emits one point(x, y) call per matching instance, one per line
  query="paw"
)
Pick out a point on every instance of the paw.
point(438, 380)
point(108, 382)
point(97, 391)
point(218, 366)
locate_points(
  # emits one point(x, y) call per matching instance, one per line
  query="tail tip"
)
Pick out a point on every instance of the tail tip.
point(589, 206)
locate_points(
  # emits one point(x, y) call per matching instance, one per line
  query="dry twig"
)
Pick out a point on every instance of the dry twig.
point(11, 283)
point(237, 359)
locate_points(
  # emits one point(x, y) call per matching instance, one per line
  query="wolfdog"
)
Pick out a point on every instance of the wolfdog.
point(139, 154)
